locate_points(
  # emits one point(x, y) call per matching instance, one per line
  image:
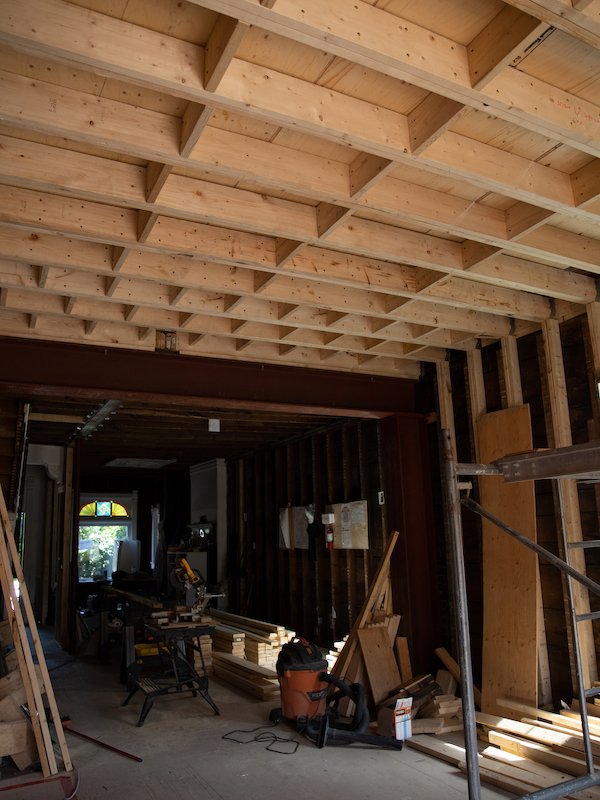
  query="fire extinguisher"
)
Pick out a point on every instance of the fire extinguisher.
point(329, 537)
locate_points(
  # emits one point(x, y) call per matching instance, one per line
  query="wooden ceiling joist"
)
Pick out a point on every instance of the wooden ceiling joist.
point(335, 185)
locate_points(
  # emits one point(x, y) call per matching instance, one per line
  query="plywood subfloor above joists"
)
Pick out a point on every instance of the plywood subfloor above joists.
point(337, 186)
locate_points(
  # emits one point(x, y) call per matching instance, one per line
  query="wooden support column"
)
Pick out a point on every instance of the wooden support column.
point(66, 552)
point(561, 429)
point(511, 371)
point(476, 393)
point(444, 387)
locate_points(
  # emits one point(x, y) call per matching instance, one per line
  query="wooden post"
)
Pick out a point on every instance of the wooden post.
point(476, 393)
point(66, 553)
point(444, 387)
point(512, 372)
point(561, 428)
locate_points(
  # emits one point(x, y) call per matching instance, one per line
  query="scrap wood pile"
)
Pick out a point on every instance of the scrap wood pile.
point(16, 733)
point(26, 738)
point(245, 652)
point(528, 749)
point(375, 656)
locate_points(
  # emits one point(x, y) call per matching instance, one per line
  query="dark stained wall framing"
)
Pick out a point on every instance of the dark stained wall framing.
point(319, 592)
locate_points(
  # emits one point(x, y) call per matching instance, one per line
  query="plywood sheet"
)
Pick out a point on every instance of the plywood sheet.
point(380, 662)
point(510, 574)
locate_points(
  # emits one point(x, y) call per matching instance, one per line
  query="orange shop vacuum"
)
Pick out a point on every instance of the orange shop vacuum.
point(300, 665)
point(306, 699)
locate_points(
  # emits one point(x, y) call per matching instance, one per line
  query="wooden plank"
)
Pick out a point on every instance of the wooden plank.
point(380, 664)
point(476, 386)
point(534, 751)
point(510, 573)
point(444, 751)
point(376, 589)
point(13, 736)
point(511, 371)
point(562, 741)
point(559, 720)
point(522, 781)
point(444, 390)
point(508, 35)
point(547, 776)
point(403, 657)
point(454, 669)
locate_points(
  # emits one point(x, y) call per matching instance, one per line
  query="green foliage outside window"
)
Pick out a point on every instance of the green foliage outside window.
point(96, 548)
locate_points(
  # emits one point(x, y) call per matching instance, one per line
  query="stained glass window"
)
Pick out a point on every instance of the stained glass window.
point(103, 508)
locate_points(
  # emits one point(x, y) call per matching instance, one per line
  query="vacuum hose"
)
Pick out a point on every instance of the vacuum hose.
point(326, 729)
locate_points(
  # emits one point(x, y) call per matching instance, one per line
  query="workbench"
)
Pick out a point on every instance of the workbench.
point(175, 672)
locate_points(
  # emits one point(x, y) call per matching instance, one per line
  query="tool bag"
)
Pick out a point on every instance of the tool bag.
point(299, 669)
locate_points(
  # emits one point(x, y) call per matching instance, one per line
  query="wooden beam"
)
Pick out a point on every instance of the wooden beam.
point(511, 371)
point(476, 386)
point(220, 49)
point(365, 170)
point(156, 176)
point(561, 433)
point(398, 47)
point(431, 119)
point(445, 403)
point(474, 220)
point(508, 36)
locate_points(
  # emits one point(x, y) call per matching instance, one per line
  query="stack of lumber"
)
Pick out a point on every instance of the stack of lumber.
point(527, 750)
point(332, 656)
point(206, 648)
point(263, 640)
point(246, 650)
point(436, 708)
point(229, 640)
point(261, 682)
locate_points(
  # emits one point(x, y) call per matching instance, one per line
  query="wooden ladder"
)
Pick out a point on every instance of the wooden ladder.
point(11, 575)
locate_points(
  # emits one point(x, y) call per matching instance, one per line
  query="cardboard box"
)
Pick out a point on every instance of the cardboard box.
point(394, 718)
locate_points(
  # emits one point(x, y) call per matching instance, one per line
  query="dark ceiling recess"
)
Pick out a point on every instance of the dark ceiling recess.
point(149, 408)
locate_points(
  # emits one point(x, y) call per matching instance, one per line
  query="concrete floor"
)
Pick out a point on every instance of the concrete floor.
point(186, 758)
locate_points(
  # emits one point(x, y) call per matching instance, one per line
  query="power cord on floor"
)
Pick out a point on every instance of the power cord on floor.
point(266, 736)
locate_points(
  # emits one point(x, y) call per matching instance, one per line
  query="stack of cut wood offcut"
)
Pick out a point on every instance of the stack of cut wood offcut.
point(375, 656)
point(229, 640)
point(202, 657)
point(16, 734)
point(436, 708)
point(368, 655)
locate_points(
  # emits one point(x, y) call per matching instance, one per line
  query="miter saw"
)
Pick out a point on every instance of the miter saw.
point(190, 581)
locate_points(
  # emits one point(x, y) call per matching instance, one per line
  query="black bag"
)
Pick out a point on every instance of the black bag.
point(300, 655)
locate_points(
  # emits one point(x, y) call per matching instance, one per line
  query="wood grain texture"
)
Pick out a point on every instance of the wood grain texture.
point(380, 662)
point(510, 574)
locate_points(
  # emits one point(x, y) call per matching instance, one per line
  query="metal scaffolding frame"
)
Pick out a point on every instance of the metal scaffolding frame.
point(581, 462)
